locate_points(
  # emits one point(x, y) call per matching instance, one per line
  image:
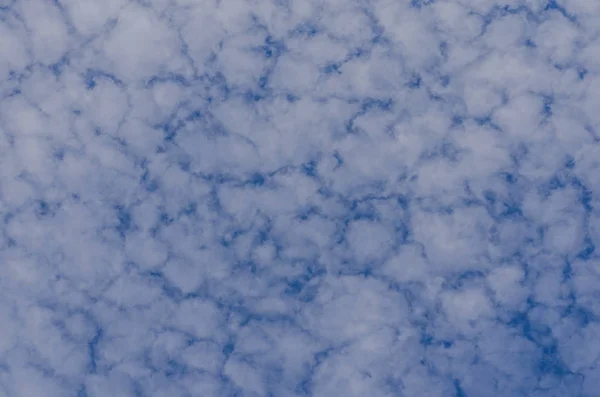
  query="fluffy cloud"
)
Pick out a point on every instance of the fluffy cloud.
point(299, 198)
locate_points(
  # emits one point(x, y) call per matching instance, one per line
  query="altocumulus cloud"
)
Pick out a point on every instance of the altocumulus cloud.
point(287, 198)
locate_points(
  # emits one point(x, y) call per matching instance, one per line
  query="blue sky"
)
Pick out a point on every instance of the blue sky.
point(286, 198)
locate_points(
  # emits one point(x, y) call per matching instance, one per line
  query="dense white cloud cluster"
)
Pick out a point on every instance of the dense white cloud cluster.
point(299, 198)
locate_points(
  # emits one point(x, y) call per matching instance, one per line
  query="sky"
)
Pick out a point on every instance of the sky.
point(288, 198)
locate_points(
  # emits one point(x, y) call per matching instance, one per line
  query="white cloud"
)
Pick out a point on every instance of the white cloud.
point(141, 45)
point(47, 31)
point(254, 198)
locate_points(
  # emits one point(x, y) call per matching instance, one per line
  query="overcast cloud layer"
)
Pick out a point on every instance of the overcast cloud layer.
point(281, 198)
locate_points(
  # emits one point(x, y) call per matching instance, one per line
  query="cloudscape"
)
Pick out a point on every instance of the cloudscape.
point(288, 198)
